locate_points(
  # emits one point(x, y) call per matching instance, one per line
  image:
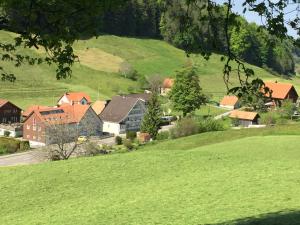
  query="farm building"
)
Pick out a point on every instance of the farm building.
point(245, 119)
point(81, 120)
point(281, 92)
point(99, 106)
point(73, 98)
point(123, 114)
point(9, 113)
point(230, 102)
point(166, 86)
point(143, 96)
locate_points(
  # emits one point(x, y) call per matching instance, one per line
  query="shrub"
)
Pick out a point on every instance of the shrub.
point(12, 146)
point(184, 127)
point(131, 135)
point(128, 144)
point(269, 118)
point(118, 140)
point(210, 125)
point(24, 145)
point(53, 156)
point(92, 149)
point(163, 135)
point(6, 133)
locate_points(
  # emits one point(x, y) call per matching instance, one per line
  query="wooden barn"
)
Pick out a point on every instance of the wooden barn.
point(244, 118)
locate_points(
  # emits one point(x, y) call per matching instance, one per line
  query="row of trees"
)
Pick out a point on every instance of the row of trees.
point(205, 33)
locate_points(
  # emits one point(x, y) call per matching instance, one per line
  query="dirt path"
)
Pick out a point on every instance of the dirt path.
point(24, 158)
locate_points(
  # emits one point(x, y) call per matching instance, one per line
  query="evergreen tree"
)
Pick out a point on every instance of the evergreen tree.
point(186, 93)
point(152, 118)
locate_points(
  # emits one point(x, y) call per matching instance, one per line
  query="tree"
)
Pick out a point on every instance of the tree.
point(50, 25)
point(152, 118)
point(63, 136)
point(186, 93)
point(288, 109)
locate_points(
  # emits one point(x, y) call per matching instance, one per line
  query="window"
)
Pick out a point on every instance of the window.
point(34, 127)
point(27, 136)
point(40, 128)
point(33, 137)
point(34, 121)
point(28, 127)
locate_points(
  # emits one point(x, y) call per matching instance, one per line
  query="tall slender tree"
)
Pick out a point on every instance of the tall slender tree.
point(152, 118)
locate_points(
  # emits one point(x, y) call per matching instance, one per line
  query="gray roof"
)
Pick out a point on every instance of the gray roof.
point(144, 96)
point(118, 108)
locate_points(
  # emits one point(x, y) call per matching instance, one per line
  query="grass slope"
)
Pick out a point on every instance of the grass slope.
point(191, 182)
point(97, 73)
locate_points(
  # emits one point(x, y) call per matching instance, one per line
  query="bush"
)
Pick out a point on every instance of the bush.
point(184, 127)
point(209, 125)
point(53, 156)
point(269, 118)
point(118, 140)
point(24, 145)
point(128, 144)
point(131, 135)
point(92, 149)
point(6, 133)
point(163, 135)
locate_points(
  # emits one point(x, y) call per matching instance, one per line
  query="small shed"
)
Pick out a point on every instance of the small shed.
point(230, 102)
point(244, 118)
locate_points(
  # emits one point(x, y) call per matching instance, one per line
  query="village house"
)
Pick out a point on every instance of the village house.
point(73, 98)
point(123, 114)
point(98, 106)
point(281, 92)
point(9, 113)
point(244, 118)
point(80, 119)
point(143, 96)
point(166, 86)
point(230, 102)
point(28, 111)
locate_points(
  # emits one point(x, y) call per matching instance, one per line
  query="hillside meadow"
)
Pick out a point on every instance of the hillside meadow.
point(96, 73)
point(185, 181)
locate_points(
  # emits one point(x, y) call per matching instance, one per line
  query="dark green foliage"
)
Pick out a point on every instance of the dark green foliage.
point(118, 140)
point(186, 94)
point(134, 18)
point(131, 135)
point(152, 118)
point(10, 145)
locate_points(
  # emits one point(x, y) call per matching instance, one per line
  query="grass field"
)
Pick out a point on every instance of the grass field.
point(184, 181)
point(97, 72)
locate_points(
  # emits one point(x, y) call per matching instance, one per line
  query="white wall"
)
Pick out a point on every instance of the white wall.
point(113, 128)
point(12, 133)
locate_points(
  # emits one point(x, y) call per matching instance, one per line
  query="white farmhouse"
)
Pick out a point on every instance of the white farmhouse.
point(123, 114)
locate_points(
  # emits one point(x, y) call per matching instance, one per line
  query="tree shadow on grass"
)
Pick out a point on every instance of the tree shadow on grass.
point(277, 218)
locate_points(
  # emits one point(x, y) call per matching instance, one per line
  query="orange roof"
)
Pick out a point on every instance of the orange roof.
point(168, 83)
point(32, 108)
point(77, 96)
point(99, 106)
point(229, 100)
point(61, 115)
point(279, 90)
point(243, 115)
point(3, 102)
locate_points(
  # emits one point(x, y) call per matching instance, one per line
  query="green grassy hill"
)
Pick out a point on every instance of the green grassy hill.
point(97, 72)
point(184, 181)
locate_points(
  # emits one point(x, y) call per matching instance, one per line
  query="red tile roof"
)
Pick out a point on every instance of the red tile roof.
point(279, 90)
point(243, 115)
point(229, 100)
point(61, 115)
point(28, 111)
point(77, 96)
point(168, 83)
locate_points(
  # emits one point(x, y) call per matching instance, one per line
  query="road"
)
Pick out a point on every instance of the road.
point(24, 158)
